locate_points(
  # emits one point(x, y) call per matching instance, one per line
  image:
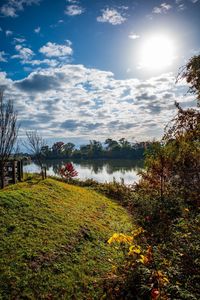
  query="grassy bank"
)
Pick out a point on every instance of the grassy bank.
point(54, 241)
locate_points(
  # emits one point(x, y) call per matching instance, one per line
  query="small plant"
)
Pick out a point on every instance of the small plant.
point(68, 171)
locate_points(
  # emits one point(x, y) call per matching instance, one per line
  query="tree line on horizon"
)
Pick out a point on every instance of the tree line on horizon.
point(110, 149)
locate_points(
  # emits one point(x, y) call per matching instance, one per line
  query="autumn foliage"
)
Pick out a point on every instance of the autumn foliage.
point(164, 263)
point(68, 171)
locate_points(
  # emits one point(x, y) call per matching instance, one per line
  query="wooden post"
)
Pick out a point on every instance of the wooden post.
point(45, 172)
point(19, 170)
point(2, 175)
point(14, 178)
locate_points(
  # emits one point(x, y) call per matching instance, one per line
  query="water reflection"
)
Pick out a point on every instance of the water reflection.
point(100, 170)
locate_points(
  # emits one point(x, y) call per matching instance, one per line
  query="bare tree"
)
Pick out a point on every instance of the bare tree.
point(8, 133)
point(35, 145)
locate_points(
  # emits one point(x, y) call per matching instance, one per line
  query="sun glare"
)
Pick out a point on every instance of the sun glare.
point(157, 52)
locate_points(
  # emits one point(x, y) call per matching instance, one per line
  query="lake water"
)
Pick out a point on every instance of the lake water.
point(99, 170)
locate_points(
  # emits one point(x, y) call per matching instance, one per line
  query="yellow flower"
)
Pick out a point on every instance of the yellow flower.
point(143, 259)
point(120, 238)
point(135, 249)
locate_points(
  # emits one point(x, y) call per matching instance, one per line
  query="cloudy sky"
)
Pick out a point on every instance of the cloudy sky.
point(92, 69)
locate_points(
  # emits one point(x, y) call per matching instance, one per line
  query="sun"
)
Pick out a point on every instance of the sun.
point(157, 52)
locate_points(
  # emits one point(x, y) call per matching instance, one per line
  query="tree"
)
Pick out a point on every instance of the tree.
point(85, 151)
point(96, 149)
point(68, 149)
point(113, 148)
point(191, 72)
point(58, 148)
point(35, 144)
point(8, 133)
point(45, 150)
point(183, 136)
point(68, 171)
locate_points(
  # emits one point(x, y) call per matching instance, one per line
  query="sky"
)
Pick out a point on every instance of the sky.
point(79, 70)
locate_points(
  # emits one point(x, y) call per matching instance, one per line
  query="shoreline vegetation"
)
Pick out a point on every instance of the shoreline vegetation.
point(95, 150)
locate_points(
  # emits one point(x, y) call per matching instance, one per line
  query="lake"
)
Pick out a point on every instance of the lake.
point(99, 170)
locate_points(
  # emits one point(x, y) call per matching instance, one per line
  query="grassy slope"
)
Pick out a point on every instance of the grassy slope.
point(53, 241)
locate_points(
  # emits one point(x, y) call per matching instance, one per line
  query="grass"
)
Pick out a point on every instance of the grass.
point(54, 241)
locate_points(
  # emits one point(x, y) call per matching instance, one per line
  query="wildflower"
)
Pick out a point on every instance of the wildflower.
point(120, 238)
point(147, 258)
point(143, 259)
point(155, 294)
point(135, 249)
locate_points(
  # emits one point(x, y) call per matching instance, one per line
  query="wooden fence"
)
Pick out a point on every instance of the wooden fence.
point(12, 172)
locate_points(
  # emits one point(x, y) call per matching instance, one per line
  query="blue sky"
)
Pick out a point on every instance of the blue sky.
point(81, 70)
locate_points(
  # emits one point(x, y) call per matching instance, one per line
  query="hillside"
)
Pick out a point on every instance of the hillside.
point(54, 241)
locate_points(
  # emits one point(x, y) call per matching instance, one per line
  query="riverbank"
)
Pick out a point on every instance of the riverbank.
point(54, 241)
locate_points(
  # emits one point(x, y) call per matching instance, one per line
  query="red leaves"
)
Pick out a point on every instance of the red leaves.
point(155, 294)
point(68, 171)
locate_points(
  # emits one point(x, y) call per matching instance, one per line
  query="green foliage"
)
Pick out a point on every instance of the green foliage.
point(110, 149)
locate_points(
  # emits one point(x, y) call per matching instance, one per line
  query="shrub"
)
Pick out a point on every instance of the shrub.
point(68, 171)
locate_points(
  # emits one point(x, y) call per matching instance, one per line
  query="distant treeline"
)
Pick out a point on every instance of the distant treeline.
point(110, 149)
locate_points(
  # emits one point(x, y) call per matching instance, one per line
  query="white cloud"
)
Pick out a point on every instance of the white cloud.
point(8, 32)
point(37, 30)
point(72, 1)
point(74, 10)
point(2, 56)
point(19, 40)
point(24, 54)
point(162, 9)
point(56, 50)
point(8, 11)
point(133, 36)
point(181, 7)
point(65, 100)
point(38, 62)
point(11, 8)
point(112, 16)
point(56, 54)
point(57, 23)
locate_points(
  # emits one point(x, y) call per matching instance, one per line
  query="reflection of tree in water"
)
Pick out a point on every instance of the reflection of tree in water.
point(97, 166)
point(54, 164)
point(57, 166)
point(124, 166)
